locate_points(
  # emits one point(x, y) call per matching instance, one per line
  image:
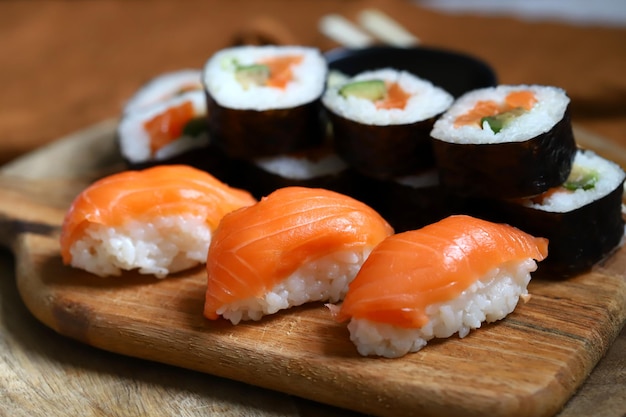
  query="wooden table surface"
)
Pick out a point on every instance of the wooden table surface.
point(67, 65)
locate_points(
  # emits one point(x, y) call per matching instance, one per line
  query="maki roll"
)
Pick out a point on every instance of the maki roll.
point(411, 201)
point(264, 100)
point(164, 121)
point(505, 141)
point(582, 217)
point(315, 168)
point(164, 87)
point(381, 121)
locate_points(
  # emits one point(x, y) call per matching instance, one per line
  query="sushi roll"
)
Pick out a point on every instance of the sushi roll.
point(582, 217)
point(411, 201)
point(296, 245)
point(318, 167)
point(264, 100)
point(165, 130)
point(381, 121)
point(159, 220)
point(442, 279)
point(505, 142)
point(163, 88)
point(165, 121)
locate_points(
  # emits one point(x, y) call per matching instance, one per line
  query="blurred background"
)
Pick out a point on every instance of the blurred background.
point(578, 12)
point(67, 65)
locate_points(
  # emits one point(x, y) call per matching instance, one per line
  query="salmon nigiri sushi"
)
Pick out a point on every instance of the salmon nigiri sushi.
point(296, 245)
point(159, 220)
point(444, 278)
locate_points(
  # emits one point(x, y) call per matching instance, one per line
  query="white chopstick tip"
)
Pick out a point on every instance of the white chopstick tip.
point(344, 32)
point(386, 29)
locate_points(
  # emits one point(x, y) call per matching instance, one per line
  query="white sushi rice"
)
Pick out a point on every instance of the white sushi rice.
point(163, 88)
point(490, 299)
point(159, 246)
point(547, 111)
point(135, 140)
point(325, 279)
point(610, 176)
point(309, 78)
point(426, 101)
point(288, 166)
point(425, 179)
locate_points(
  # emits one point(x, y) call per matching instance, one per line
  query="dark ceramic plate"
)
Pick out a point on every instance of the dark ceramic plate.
point(455, 72)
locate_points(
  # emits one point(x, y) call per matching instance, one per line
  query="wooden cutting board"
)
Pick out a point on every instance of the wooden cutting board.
point(526, 365)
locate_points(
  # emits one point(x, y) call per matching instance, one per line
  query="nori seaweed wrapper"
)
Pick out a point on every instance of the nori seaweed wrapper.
point(250, 134)
point(261, 182)
point(578, 239)
point(511, 169)
point(407, 207)
point(383, 152)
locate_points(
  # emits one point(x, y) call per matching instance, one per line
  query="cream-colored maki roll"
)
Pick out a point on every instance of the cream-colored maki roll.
point(164, 120)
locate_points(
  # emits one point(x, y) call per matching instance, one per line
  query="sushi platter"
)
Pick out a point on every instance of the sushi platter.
point(528, 364)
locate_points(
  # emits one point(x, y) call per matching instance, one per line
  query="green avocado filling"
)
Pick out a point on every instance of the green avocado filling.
point(372, 90)
point(581, 178)
point(252, 75)
point(500, 121)
point(195, 127)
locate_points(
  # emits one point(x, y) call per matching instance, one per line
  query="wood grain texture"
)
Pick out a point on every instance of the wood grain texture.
point(44, 374)
point(95, 54)
point(526, 365)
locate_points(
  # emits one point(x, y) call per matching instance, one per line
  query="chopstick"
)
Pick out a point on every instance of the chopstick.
point(344, 32)
point(373, 25)
point(386, 29)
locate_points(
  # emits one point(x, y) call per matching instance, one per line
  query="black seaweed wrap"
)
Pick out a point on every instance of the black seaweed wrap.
point(410, 208)
point(208, 158)
point(511, 169)
point(261, 182)
point(577, 239)
point(383, 151)
point(251, 134)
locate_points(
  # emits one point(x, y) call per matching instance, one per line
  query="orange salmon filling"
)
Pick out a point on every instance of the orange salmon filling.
point(280, 69)
point(396, 98)
point(168, 126)
point(485, 108)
